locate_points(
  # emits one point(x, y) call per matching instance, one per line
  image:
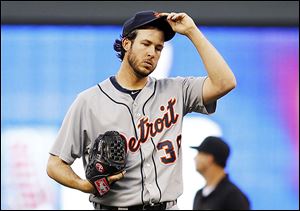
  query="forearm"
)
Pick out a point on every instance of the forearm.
point(217, 69)
point(62, 173)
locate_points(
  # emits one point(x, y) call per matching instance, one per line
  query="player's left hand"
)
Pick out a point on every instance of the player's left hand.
point(180, 22)
point(114, 178)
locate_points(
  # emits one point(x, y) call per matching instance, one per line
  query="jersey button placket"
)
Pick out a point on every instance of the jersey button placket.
point(136, 110)
point(152, 192)
point(149, 182)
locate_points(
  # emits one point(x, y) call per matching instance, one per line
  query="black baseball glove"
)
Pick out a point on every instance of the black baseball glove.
point(106, 157)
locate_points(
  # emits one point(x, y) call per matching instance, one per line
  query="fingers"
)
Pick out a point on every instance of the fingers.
point(160, 14)
point(171, 16)
point(116, 177)
point(177, 16)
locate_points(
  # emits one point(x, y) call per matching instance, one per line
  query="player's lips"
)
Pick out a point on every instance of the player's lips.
point(148, 63)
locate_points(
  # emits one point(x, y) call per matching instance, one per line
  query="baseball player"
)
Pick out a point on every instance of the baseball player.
point(147, 112)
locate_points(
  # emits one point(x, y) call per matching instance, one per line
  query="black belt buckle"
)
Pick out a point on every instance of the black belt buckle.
point(157, 206)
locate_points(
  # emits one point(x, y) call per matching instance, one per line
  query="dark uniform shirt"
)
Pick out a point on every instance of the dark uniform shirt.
point(226, 196)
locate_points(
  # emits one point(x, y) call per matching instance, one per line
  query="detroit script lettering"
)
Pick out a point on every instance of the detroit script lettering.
point(150, 129)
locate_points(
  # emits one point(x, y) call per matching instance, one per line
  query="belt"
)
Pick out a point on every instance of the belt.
point(155, 206)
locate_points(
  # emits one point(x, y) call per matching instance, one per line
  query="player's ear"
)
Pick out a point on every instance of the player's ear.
point(126, 43)
point(210, 158)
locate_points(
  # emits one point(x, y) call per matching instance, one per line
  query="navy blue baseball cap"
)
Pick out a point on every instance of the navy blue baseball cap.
point(148, 18)
point(217, 147)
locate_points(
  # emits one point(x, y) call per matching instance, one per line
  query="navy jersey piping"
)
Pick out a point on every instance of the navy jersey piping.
point(155, 170)
point(142, 197)
point(132, 93)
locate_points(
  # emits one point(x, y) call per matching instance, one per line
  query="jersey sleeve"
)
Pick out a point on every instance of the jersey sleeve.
point(193, 96)
point(69, 142)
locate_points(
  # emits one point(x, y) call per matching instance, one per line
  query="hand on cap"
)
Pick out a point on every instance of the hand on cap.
point(180, 22)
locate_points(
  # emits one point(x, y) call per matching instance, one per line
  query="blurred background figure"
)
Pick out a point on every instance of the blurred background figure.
point(219, 193)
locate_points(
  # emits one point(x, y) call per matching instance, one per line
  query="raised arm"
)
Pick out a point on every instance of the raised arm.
point(220, 77)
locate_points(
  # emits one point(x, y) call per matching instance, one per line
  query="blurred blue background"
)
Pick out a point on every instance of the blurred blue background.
point(44, 67)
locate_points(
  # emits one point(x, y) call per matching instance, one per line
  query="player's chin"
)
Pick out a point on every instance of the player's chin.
point(142, 73)
point(148, 72)
point(145, 71)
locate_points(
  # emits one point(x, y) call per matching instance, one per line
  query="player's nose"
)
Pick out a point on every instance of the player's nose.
point(151, 51)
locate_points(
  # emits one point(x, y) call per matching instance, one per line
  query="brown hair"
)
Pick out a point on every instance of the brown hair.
point(131, 36)
point(118, 44)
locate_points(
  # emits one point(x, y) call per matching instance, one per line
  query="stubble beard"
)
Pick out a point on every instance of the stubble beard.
point(133, 62)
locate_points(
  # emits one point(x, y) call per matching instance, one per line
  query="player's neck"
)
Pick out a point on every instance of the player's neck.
point(128, 80)
point(214, 176)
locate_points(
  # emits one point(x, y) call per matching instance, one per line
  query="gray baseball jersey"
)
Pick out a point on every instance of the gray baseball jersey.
point(151, 125)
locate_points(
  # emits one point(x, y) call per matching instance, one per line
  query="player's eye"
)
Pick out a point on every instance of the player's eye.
point(159, 49)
